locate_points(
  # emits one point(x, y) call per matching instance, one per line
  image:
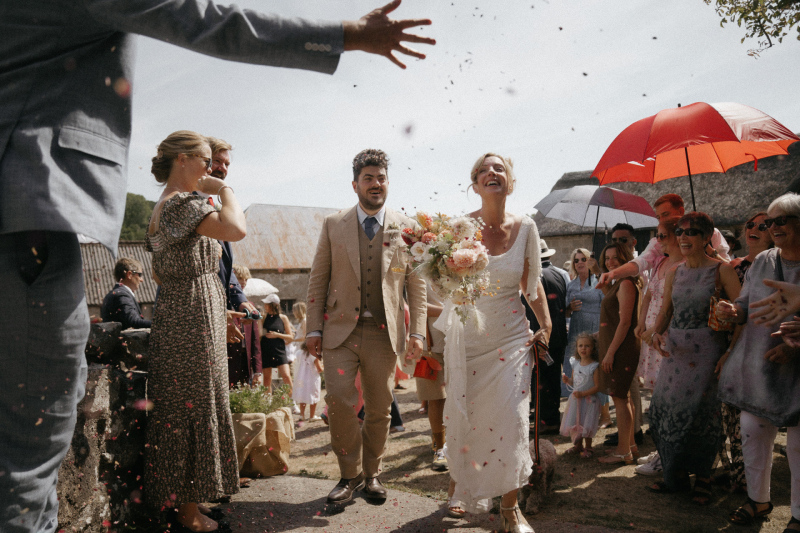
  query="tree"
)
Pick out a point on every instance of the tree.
point(137, 216)
point(768, 21)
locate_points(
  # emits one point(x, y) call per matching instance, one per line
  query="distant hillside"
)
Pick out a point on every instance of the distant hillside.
point(137, 215)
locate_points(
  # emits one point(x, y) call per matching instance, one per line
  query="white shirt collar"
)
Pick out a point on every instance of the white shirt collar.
point(128, 289)
point(379, 216)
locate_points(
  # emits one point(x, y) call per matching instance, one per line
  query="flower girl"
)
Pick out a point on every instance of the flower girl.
point(581, 418)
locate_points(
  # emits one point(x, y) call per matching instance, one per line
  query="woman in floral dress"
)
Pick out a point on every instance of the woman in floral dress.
point(191, 452)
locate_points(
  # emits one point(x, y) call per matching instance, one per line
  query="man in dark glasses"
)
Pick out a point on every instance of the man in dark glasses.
point(120, 304)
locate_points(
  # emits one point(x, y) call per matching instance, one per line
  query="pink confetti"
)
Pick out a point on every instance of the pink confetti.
point(340, 371)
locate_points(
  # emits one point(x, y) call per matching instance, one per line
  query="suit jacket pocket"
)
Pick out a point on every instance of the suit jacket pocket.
point(331, 303)
point(89, 142)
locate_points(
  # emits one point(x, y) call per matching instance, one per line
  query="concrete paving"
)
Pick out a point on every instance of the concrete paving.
point(297, 504)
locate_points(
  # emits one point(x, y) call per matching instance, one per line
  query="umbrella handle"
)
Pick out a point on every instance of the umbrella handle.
point(755, 161)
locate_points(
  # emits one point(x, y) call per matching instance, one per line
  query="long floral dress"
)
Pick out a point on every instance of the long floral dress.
point(685, 417)
point(191, 452)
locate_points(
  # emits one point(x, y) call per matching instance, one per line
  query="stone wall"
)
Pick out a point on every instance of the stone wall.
point(100, 480)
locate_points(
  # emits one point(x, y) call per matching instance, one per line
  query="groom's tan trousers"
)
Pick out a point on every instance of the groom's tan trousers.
point(368, 350)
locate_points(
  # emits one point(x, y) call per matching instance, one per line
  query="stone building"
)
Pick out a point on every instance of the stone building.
point(729, 198)
point(280, 246)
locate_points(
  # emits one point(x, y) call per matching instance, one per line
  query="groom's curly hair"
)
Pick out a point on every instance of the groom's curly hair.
point(369, 158)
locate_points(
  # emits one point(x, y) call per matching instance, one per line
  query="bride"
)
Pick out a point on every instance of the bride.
point(489, 367)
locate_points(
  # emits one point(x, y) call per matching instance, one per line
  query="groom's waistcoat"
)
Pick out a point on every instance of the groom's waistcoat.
point(370, 253)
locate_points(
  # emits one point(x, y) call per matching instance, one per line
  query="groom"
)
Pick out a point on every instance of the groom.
point(355, 314)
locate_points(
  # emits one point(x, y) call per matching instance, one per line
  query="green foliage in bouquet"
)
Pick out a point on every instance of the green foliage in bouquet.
point(246, 399)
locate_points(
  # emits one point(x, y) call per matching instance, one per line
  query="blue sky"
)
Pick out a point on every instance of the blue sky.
point(548, 83)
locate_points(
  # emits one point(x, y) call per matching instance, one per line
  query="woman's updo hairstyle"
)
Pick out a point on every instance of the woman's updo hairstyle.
point(177, 143)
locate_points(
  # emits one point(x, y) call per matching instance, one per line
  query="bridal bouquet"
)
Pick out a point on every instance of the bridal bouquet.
point(448, 253)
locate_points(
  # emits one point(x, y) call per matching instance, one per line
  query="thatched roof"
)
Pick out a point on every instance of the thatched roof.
point(728, 198)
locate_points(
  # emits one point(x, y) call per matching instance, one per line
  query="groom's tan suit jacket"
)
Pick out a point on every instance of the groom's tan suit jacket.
point(334, 288)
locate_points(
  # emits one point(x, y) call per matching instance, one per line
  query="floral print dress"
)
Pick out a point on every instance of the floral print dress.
point(191, 451)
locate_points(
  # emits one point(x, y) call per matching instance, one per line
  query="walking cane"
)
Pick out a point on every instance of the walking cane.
point(538, 348)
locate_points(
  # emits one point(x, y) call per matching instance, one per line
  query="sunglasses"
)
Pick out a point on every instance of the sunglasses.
point(140, 274)
point(778, 221)
point(623, 240)
point(661, 236)
point(690, 232)
point(751, 225)
point(206, 160)
point(581, 260)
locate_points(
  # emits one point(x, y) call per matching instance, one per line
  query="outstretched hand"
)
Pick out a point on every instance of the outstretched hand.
point(605, 279)
point(773, 308)
point(376, 33)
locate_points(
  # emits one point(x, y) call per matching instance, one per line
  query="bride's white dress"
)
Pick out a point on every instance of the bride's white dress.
point(488, 376)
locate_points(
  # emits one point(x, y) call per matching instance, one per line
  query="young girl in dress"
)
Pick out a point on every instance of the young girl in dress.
point(307, 380)
point(581, 418)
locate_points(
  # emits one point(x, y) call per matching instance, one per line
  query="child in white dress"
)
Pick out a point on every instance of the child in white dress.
point(307, 380)
point(581, 418)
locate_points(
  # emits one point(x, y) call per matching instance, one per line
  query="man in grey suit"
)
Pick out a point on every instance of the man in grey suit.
point(65, 120)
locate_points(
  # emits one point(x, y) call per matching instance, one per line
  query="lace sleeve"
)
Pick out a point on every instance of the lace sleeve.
point(533, 255)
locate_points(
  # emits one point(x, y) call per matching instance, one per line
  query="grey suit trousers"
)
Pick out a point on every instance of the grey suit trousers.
point(44, 325)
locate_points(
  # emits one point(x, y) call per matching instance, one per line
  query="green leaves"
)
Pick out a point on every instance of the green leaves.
point(764, 20)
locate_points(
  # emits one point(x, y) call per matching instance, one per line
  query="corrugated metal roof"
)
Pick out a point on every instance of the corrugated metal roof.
point(280, 237)
point(98, 271)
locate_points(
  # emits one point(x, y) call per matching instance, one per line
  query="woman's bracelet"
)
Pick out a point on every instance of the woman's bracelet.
point(224, 187)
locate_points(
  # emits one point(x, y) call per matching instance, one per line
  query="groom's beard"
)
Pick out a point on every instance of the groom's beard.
point(367, 201)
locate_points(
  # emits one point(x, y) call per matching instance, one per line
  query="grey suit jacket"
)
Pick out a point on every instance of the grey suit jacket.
point(65, 116)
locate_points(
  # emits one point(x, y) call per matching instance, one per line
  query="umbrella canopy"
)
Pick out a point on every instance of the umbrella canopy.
point(697, 138)
point(590, 205)
point(258, 289)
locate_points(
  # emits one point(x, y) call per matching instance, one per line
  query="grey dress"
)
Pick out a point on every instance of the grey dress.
point(685, 417)
point(748, 381)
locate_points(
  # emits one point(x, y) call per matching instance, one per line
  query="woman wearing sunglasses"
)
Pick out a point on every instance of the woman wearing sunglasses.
point(757, 239)
point(761, 376)
point(650, 360)
point(685, 417)
point(191, 455)
point(582, 302)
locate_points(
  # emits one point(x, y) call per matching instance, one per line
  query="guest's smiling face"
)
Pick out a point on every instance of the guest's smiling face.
point(756, 235)
point(579, 262)
point(786, 235)
point(691, 240)
point(667, 240)
point(220, 163)
point(611, 259)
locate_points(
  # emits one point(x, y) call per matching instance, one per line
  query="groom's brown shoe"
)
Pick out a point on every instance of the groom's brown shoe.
point(343, 491)
point(374, 489)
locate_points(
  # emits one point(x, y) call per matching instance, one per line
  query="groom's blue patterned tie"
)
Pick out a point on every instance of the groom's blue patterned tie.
point(369, 226)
